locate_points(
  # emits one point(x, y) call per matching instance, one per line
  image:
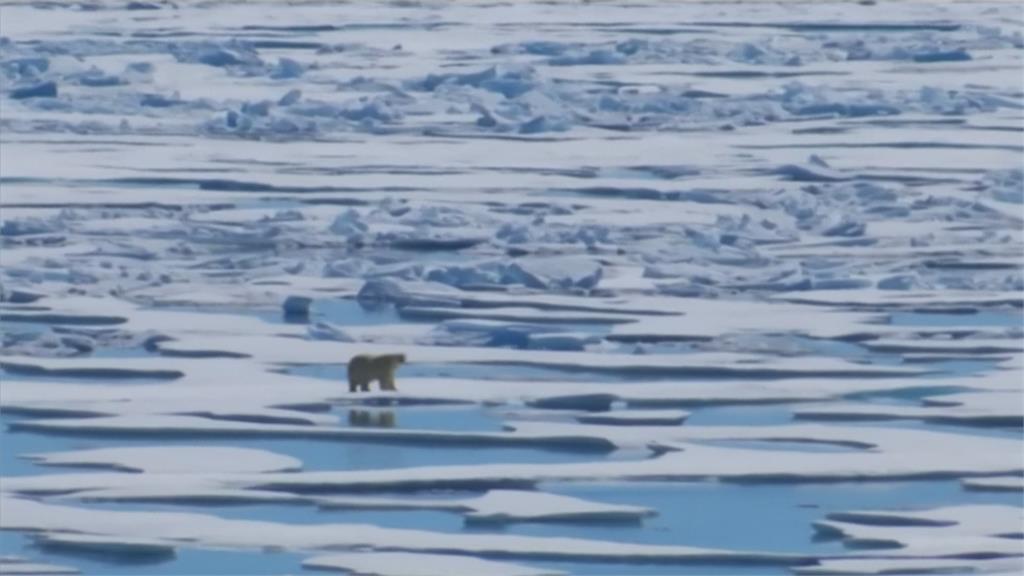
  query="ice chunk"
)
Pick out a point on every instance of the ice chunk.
point(328, 331)
point(542, 124)
point(481, 274)
point(17, 296)
point(957, 55)
point(387, 291)
point(900, 282)
point(287, 68)
point(509, 80)
point(430, 241)
point(500, 506)
point(1005, 186)
point(97, 79)
point(42, 90)
point(594, 57)
point(297, 306)
point(562, 341)
point(636, 418)
point(159, 101)
point(815, 170)
point(503, 506)
point(349, 223)
point(291, 97)
point(26, 68)
point(558, 272)
point(346, 268)
point(26, 226)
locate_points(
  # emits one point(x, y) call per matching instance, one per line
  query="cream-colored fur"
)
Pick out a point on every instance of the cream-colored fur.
point(365, 368)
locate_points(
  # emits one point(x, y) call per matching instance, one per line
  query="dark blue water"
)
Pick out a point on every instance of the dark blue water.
point(690, 514)
point(787, 446)
point(315, 454)
point(781, 515)
point(768, 415)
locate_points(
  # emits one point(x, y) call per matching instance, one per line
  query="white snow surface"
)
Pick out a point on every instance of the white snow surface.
point(174, 459)
point(731, 244)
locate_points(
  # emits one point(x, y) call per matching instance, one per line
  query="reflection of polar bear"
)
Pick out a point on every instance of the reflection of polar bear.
point(364, 368)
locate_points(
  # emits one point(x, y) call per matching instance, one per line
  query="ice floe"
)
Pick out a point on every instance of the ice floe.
point(407, 564)
point(955, 532)
point(173, 459)
point(505, 506)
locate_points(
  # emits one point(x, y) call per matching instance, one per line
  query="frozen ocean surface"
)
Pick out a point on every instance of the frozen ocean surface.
point(683, 288)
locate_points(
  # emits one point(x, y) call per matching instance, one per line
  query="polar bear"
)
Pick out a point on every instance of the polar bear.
point(365, 368)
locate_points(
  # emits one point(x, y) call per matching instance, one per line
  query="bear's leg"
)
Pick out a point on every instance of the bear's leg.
point(387, 382)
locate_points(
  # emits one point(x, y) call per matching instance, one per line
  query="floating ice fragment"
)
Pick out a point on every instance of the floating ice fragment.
point(328, 331)
point(957, 55)
point(25, 68)
point(158, 100)
point(42, 90)
point(636, 418)
point(542, 124)
point(562, 341)
point(291, 97)
point(556, 272)
point(27, 226)
point(900, 282)
point(349, 223)
point(387, 291)
point(95, 78)
point(815, 170)
point(600, 57)
point(297, 306)
point(287, 68)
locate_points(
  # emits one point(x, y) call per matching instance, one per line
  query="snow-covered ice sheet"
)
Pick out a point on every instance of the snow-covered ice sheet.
point(735, 245)
point(172, 459)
